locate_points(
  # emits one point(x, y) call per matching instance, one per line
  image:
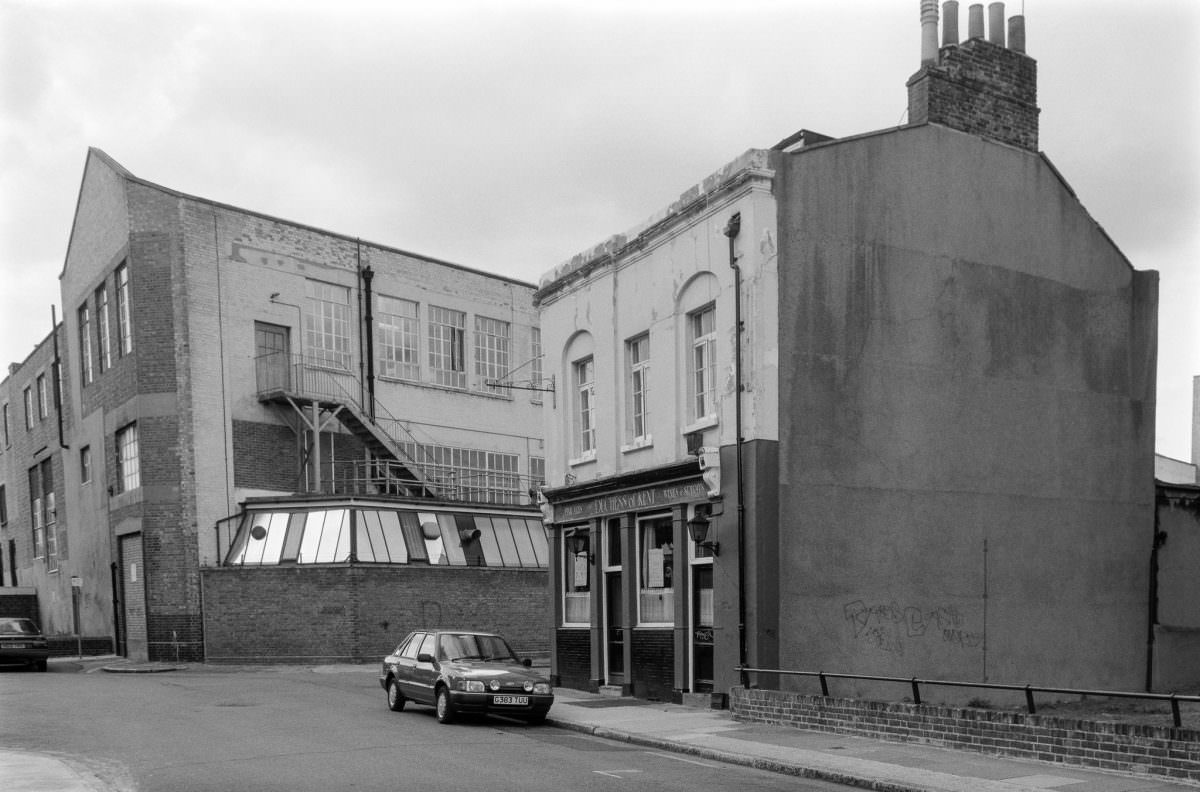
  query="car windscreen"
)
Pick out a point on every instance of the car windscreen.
point(468, 646)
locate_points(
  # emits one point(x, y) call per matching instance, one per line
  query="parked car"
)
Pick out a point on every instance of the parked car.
point(464, 672)
point(21, 642)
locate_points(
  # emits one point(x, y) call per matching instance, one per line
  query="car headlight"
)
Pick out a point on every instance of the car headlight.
point(542, 688)
point(471, 686)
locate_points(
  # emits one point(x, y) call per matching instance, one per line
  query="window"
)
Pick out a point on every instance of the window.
point(327, 325)
point(585, 409)
point(537, 471)
point(59, 389)
point(28, 409)
point(656, 564)
point(702, 364)
point(447, 346)
point(637, 354)
point(128, 470)
point(43, 397)
point(41, 498)
point(85, 465)
point(468, 474)
point(103, 342)
point(536, 363)
point(85, 344)
point(124, 326)
point(3, 506)
point(397, 334)
point(7, 437)
point(491, 352)
point(577, 548)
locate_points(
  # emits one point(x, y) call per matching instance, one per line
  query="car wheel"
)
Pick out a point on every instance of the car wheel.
point(395, 697)
point(445, 710)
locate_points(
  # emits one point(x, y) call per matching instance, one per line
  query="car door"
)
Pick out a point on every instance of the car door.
point(406, 662)
point(424, 674)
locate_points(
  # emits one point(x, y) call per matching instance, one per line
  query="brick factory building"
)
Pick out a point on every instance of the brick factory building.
point(246, 427)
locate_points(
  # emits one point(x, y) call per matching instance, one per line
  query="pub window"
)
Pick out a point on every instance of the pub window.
point(656, 565)
point(577, 549)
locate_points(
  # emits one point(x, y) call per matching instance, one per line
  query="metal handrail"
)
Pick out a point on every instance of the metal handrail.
point(823, 676)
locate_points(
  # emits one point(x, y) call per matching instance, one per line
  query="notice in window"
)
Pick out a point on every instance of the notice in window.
point(581, 571)
point(654, 568)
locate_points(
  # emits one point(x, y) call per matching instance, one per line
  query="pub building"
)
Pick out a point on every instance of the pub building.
point(634, 613)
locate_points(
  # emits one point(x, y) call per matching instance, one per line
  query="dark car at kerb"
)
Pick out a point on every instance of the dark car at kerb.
point(461, 672)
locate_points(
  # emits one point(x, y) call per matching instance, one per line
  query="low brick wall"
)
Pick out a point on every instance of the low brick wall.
point(1131, 748)
point(343, 614)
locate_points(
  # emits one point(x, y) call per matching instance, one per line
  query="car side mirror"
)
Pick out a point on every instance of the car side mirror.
point(527, 662)
point(424, 657)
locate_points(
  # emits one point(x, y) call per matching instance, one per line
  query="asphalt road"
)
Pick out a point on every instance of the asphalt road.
point(303, 729)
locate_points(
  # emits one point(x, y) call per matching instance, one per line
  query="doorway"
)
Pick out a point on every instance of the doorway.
point(614, 604)
point(272, 357)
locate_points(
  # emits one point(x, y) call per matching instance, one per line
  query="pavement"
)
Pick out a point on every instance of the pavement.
point(703, 733)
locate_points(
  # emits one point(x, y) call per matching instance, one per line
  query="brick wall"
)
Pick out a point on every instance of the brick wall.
point(980, 88)
point(359, 614)
point(573, 659)
point(264, 457)
point(1160, 751)
point(653, 664)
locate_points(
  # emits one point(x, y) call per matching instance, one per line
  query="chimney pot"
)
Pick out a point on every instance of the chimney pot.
point(949, 23)
point(975, 21)
point(996, 24)
point(1016, 34)
point(929, 20)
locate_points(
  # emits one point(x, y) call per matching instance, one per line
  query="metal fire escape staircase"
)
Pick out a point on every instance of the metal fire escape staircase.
point(314, 396)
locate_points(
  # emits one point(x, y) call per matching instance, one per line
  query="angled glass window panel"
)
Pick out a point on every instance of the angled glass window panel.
point(276, 531)
point(537, 535)
point(371, 546)
point(342, 552)
point(295, 531)
point(397, 552)
point(412, 536)
point(504, 538)
point(237, 548)
point(314, 523)
point(473, 550)
point(524, 547)
point(487, 541)
point(451, 540)
point(431, 533)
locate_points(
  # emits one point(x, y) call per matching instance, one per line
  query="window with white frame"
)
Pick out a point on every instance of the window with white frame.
point(637, 356)
point(585, 408)
point(327, 325)
point(124, 321)
point(128, 465)
point(535, 376)
point(702, 370)
point(576, 577)
point(468, 474)
point(38, 515)
point(447, 346)
point(28, 408)
point(492, 352)
point(43, 397)
point(103, 343)
point(85, 344)
point(397, 331)
point(656, 566)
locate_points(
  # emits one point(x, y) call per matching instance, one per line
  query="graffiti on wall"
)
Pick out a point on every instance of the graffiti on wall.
point(888, 627)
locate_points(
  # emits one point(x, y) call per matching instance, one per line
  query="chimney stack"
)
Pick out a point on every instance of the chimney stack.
point(981, 86)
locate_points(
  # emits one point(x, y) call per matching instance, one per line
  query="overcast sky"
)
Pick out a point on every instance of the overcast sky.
point(509, 135)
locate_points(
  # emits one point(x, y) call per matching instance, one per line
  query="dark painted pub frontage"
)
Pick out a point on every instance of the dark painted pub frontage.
point(633, 592)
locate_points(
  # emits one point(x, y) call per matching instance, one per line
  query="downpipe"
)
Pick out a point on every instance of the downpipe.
point(732, 229)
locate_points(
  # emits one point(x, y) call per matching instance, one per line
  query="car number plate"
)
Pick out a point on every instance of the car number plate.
point(517, 700)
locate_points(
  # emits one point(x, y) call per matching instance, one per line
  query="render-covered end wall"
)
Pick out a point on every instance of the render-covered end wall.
point(967, 419)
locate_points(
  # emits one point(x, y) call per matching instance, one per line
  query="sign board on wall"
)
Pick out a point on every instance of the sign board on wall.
point(646, 499)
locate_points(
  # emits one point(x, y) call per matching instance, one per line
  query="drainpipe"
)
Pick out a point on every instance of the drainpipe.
point(58, 394)
point(369, 332)
point(731, 231)
point(1160, 538)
